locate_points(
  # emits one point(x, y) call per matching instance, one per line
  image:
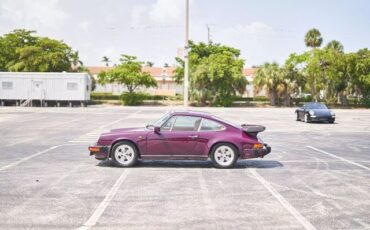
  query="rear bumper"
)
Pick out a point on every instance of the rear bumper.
point(254, 153)
point(100, 152)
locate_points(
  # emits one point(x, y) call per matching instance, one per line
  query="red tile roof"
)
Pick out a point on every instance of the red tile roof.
point(160, 71)
point(249, 71)
point(154, 71)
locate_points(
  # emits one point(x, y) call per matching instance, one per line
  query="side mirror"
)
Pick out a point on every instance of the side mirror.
point(157, 129)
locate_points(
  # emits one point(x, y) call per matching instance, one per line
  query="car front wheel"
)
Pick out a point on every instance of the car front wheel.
point(298, 117)
point(124, 154)
point(224, 155)
point(306, 118)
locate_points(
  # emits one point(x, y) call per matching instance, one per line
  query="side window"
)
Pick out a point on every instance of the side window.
point(168, 125)
point(7, 85)
point(72, 86)
point(186, 123)
point(211, 125)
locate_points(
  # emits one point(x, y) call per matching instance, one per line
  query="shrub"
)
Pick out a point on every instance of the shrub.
point(366, 102)
point(133, 98)
point(104, 96)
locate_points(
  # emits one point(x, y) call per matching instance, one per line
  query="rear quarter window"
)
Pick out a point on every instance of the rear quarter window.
point(209, 125)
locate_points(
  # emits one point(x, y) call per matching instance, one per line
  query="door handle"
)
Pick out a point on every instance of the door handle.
point(193, 136)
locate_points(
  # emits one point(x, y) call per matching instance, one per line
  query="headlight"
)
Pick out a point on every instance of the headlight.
point(311, 112)
point(332, 113)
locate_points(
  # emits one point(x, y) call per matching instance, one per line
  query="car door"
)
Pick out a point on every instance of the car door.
point(177, 138)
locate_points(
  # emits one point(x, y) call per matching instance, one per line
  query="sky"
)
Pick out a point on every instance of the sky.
point(154, 30)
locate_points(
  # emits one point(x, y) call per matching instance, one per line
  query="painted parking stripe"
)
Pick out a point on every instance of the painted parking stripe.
point(338, 157)
point(301, 219)
point(104, 204)
point(29, 158)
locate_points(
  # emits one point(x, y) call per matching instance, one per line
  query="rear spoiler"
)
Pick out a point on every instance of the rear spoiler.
point(253, 130)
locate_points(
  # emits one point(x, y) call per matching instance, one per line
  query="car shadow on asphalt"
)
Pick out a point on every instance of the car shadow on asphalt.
point(241, 164)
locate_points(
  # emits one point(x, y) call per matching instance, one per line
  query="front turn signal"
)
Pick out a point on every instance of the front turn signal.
point(94, 149)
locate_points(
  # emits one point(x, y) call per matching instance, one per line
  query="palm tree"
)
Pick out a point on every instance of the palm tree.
point(269, 78)
point(313, 38)
point(335, 45)
point(75, 61)
point(149, 64)
point(106, 60)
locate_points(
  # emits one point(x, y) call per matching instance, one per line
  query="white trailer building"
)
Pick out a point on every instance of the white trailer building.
point(25, 88)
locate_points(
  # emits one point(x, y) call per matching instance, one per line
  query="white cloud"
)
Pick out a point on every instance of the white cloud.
point(161, 13)
point(45, 13)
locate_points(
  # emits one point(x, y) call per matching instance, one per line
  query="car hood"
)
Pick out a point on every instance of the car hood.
point(321, 112)
point(128, 130)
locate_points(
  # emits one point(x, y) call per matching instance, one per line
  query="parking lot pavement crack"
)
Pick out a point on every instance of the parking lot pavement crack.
point(298, 216)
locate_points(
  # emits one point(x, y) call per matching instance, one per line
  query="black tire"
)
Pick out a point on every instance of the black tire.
point(232, 159)
point(307, 118)
point(125, 150)
point(331, 121)
point(298, 119)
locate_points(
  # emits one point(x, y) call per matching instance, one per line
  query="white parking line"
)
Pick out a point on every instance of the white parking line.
point(338, 157)
point(94, 135)
point(301, 219)
point(104, 204)
point(29, 157)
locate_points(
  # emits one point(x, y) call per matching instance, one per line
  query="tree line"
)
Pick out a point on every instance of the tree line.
point(23, 51)
point(325, 73)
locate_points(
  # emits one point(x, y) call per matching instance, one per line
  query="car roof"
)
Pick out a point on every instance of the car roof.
point(192, 113)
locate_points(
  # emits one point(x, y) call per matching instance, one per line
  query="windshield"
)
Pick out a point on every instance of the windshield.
point(316, 106)
point(161, 120)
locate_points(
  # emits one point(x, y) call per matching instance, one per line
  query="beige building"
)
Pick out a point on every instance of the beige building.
point(166, 83)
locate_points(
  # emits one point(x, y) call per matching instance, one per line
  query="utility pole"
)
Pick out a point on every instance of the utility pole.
point(186, 57)
point(209, 34)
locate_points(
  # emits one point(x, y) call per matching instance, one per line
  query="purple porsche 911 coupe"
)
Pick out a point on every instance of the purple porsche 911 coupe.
point(182, 136)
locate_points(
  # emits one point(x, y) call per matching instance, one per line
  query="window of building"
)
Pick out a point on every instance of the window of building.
point(7, 85)
point(209, 125)
point(72, 86)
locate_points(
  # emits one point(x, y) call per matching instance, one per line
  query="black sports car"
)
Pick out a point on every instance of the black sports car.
point(314, 111)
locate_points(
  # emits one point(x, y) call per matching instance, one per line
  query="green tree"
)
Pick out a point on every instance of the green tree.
point(129, 74)
point(21, 50)
point(313, 38)
point(106, 60)
point(215, 73)
point(269, 77)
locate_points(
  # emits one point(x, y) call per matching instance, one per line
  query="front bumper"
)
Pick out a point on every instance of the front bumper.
point(100, 152)
point(322, 118)
point(254, 153)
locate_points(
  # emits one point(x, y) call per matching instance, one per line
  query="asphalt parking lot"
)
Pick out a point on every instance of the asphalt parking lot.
point(317, 176)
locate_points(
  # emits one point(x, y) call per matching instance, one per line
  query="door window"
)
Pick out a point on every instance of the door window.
point(186, 123)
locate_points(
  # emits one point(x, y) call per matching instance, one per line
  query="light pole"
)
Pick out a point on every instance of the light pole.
point(186, 57)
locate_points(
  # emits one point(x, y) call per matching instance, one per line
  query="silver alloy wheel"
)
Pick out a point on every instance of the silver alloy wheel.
point(224, 155)
point(124, 154)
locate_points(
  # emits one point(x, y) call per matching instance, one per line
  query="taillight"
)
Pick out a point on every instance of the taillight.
point(257, 146)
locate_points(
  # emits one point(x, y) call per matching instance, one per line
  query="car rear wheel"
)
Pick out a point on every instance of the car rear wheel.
point(224, 155)
point(124, 154)
point(306, 118)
